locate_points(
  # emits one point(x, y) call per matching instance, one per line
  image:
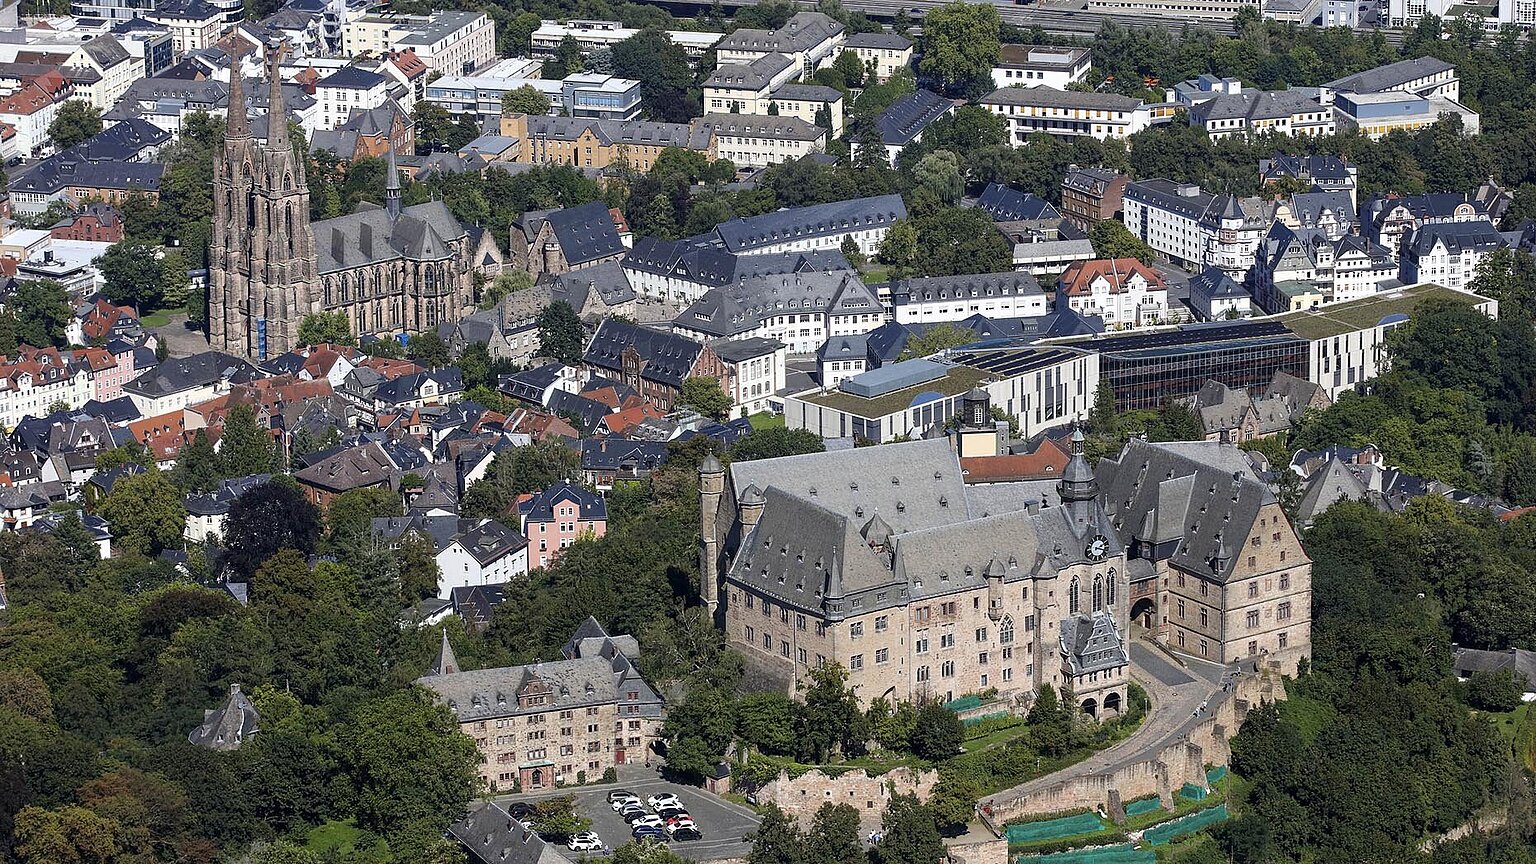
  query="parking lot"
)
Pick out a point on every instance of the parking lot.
point(722, 822)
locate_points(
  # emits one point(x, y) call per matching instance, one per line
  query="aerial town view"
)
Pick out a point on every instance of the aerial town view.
point(767, 432)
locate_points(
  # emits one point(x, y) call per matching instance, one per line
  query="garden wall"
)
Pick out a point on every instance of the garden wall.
point(802, 796)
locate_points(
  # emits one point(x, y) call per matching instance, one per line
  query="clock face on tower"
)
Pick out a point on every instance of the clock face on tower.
point(1098, 548)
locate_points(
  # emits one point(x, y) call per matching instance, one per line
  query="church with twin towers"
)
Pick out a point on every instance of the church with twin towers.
point(389, 269)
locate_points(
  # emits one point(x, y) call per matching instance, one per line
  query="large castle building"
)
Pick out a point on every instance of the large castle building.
point(923, 587)
point(389, 269)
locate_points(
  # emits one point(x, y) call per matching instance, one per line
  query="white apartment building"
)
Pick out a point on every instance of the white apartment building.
point(801, 310)
point(594, 34)
point(38, 379)
point(760, 141)
point(813, 228)
point(489, 553)
point(1448, 253)
point(1252, 113)
point(746, 88)
point(756, 369)
point(448, 42)
point(955, 298)
point(1033, 65)
point(883, 54)
point(810, 39)
point(1126, 293)
point(1194, 228)
point(347, 90)
point(1028, 110)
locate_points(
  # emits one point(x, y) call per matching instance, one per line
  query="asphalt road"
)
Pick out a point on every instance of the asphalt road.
point(724, 824)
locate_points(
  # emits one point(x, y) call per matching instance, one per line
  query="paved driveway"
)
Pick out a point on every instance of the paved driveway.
point(723, 823)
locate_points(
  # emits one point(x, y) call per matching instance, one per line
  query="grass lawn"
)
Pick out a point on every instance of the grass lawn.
point(992, 739)
point(1509, 722)
point(162, 317)
point(344, 837)
point(765, 420)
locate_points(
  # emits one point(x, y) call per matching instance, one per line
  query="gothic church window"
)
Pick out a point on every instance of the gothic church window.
point(1098, 593)
point(1072, 592)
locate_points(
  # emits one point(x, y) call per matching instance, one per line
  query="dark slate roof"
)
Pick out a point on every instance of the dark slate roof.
point(737, 350)
point(726, 433)
point(106, 52)
point(1476, 236)
point(908, 116)
point(1091, 643)
point(119, 410)
point(1315, 167)
point(1213, 283)
point(407, 387)
point(422, 233)
point(1517, 660)
point(493, 837)
point(705, 264)
point(893, 41)
point(587, 412)
point(351, 78)
point(668, 358)
point(491, 541)
point(819, 220)
point(226, 727)
point(529, 385)
point(1390, 76)
point(476, 603)
point(123, 140)
point(58, 172)
point(184, 373)
point(741, 306)
point(541, 507)
point(219, 500)
point(1005, 204)
point(586, 233)
point(1201, 492)
point(611, 454)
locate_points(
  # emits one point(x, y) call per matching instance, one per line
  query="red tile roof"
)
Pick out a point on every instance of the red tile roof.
point(1079, 278)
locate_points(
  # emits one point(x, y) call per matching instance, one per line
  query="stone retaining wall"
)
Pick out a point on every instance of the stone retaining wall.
point(1162, 773)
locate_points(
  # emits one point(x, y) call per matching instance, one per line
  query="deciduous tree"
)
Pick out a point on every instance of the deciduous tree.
point(77, 120)
point(146, 513)
point(320, 328)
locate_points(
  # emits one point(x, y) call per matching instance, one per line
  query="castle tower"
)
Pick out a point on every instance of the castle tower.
point(262, 255)
point(711, 487)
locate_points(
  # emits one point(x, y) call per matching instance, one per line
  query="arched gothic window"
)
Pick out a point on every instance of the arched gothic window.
point(1005, 631)
point(1098, 593)
point(1110, 589)
point(1072, 603)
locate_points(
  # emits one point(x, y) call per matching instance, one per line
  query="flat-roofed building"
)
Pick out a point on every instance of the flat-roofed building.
point(594, 34)
point(1028, 110)
point(1031, 65)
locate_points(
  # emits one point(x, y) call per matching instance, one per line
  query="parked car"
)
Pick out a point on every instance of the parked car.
point(520, 810)
point(663, 799)
point(619, 794)
point(670, 813)
point(619, 804)
point(586, 841)
point(641, 832)
point(686, 833)
point(649, 821)
point(633, 814)
point(680, 821)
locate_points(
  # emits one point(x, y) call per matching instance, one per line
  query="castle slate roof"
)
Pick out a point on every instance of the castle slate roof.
point(803, 31)
point(1201, 491)
point(1092, 643)
point(818, 220)
point(907, 117)
point(612, 454)
point(1314, 167)
point(755, 76)
point(422, 233)
point(711, 266)
point(1255, 105)
point(633, 132)
point(666, 358)
point(1005, 204)
point(783, 127)
point(218, 502)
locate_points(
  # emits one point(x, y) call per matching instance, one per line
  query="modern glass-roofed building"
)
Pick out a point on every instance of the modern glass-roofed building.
point(1041, 387)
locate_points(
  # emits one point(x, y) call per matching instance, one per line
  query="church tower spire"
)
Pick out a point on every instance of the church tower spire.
point(236, 124)
point(392, 185)
point(277, 115)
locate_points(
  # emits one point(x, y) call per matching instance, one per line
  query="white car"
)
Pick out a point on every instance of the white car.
point(621, 803)
point(648, 822)
point(663, 799)
point(586, 841)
